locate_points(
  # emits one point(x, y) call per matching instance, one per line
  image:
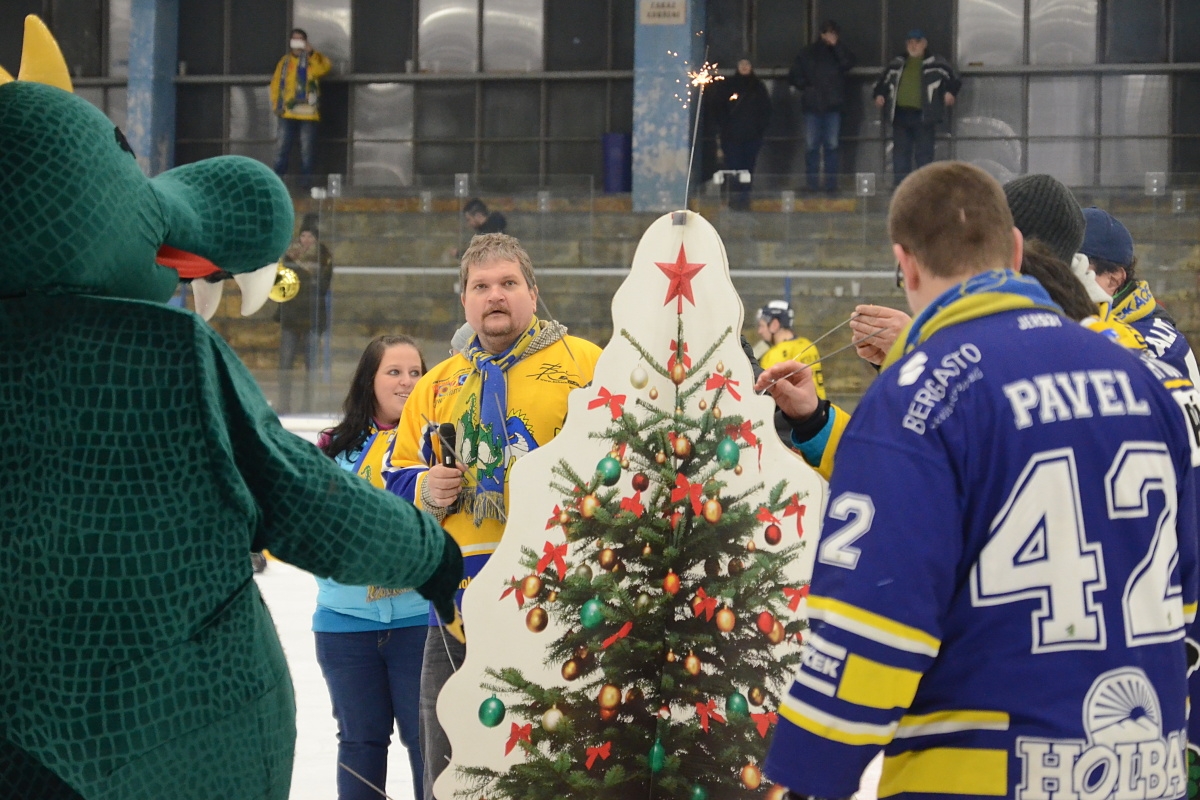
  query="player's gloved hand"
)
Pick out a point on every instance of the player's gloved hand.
point(443, 584)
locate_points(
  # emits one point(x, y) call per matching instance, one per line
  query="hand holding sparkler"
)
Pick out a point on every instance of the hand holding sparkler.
point(888, 322)
point(792, 388)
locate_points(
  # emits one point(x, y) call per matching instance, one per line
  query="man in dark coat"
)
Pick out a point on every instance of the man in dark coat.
point(916, 88)
point(819, 73)
point(741, 107)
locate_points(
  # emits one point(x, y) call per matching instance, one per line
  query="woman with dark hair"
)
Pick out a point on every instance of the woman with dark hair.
point(370, 639)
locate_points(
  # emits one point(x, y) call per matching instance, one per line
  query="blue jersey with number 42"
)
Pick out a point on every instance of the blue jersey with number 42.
point(1006, 570)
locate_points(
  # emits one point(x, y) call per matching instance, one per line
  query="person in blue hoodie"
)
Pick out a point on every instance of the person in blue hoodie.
point(370, 639)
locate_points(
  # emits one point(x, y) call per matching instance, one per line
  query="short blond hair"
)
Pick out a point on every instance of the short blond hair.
point(954, 218)
point(487, 247)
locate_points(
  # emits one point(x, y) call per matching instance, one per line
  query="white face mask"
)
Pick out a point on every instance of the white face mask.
point(299, 44)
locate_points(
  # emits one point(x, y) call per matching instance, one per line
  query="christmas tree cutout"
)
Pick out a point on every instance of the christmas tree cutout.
point(642, 617)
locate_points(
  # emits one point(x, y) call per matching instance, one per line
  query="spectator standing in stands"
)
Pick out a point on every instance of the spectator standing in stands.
point(917, 88)
point(295, 97)
point(819, 74)
point(741, 108)
point(480, 220)
point(304, 318)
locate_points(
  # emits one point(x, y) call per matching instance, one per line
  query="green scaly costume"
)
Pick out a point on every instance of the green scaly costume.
point(140, 464)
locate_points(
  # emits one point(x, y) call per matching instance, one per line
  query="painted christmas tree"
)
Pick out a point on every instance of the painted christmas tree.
point(635, 630)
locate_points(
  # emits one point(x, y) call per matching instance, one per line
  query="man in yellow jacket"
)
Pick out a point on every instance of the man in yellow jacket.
point(295, 96)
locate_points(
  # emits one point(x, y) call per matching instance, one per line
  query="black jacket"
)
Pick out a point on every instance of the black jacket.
point(495, 223)
point(741, 107)
point(937, 78)
point(819, 73)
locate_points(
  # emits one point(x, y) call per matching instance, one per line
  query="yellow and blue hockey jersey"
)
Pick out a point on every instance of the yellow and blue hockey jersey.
point(1007, 565)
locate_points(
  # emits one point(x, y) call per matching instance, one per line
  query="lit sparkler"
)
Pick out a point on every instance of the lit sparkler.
point(707, 74)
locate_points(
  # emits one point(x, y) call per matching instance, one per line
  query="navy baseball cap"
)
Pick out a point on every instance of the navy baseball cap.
point(1106, 238)
point(916, 33)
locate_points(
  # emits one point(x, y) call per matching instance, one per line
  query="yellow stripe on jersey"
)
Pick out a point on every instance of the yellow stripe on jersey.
point(953, 771)
point(872, 626)
point(835, 729)
point(1189, 612)
point(1176, 383)
point(869, 683)
point(950, 722)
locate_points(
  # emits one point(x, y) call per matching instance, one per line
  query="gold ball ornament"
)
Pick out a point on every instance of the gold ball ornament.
point(536, 619)
point(682, 447)
point(582, 652)
point(712, 511)
point(530, 586)
point(624, 463)
point(634, 695)
point(776, 792)
point(720, 366)
point(725, 620)
point(678, 373)
point(678, 410)
point(692, 664)
point(751, 546)
point(671, 582)
point(735, 567)
point(671, 656)
point(653, 393)
point(647, 550)
point(638, 378)
point(570, 670)
point(777, 634)
point(552, 719)
point(717, 412)
point(609, 697)
point(756, 695)
point(287, 284)
point(588, 506)
point(660, 457)
point(607, 559)
point(552, 597)
point(564, 517)
point(751, 777)
point(737, 470)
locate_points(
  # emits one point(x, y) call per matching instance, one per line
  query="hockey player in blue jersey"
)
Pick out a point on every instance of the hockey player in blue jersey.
point(1000, 594)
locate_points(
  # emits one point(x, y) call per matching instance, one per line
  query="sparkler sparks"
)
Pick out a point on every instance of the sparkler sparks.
point(705, 75)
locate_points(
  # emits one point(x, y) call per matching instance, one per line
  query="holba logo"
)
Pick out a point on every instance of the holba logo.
point(912, 369)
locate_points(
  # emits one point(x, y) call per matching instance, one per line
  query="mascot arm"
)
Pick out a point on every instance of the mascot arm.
point(312, 513)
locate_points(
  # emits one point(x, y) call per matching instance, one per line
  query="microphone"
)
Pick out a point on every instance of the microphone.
point(448, 435)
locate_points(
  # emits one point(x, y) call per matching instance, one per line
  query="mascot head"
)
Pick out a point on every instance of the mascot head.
point(78, 216)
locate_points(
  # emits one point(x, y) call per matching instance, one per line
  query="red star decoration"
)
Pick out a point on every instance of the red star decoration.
point(681, 273)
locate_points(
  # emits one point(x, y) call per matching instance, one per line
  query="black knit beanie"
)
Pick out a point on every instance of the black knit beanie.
point(1044, 209)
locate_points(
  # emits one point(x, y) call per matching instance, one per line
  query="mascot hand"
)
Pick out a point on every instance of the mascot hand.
point(445, 581)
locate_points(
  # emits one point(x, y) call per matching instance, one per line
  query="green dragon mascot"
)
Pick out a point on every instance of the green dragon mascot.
point(140, 464)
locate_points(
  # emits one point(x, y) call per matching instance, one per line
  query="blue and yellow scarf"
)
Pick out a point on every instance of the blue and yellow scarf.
point(485, 435)
point(987, 293)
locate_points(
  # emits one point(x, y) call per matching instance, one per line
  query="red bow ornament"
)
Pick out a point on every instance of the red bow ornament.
point(602, 751)
point(707, 711)
point(555, 554)
point(764, 722)
point(512, 588)
point(796, 508)
point(684, 488)
point(686, 360)
point(794, 596)
point(621, 634)
point(633, 504)
point(717, 381)
point(607, 398)
point(707, 605)
point(520, 733)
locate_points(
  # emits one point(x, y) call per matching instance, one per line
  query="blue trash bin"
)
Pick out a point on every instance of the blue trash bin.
point(618, 162)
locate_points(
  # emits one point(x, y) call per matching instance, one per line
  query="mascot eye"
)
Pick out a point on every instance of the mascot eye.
point(122, 142)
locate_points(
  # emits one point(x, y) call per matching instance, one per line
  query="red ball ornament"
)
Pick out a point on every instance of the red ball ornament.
point(608, 714)
point(766, 622)
point(641, 482)
point(773, 534)
point(671, 582)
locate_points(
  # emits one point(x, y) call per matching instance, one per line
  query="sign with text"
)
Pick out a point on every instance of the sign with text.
point(663, 12)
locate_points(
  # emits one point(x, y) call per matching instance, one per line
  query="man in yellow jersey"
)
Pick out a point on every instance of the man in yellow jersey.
point(295, 98)
point(775, 321)
point(506, 395)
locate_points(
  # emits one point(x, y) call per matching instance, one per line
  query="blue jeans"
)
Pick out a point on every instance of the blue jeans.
point(909, 133)
point(821, 129)
point(374, 677)
point(288, 130)
point(437, 669)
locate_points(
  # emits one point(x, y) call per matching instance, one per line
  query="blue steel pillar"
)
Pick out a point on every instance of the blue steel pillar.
point(665, 48)
point(153, 49)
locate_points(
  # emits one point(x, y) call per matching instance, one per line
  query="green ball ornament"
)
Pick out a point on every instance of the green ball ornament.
point(728, 453)
point(736, 706)
point(698, 792)
point(657, 758)
point(592, 613)
point(608, 470)
point(492, 711)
